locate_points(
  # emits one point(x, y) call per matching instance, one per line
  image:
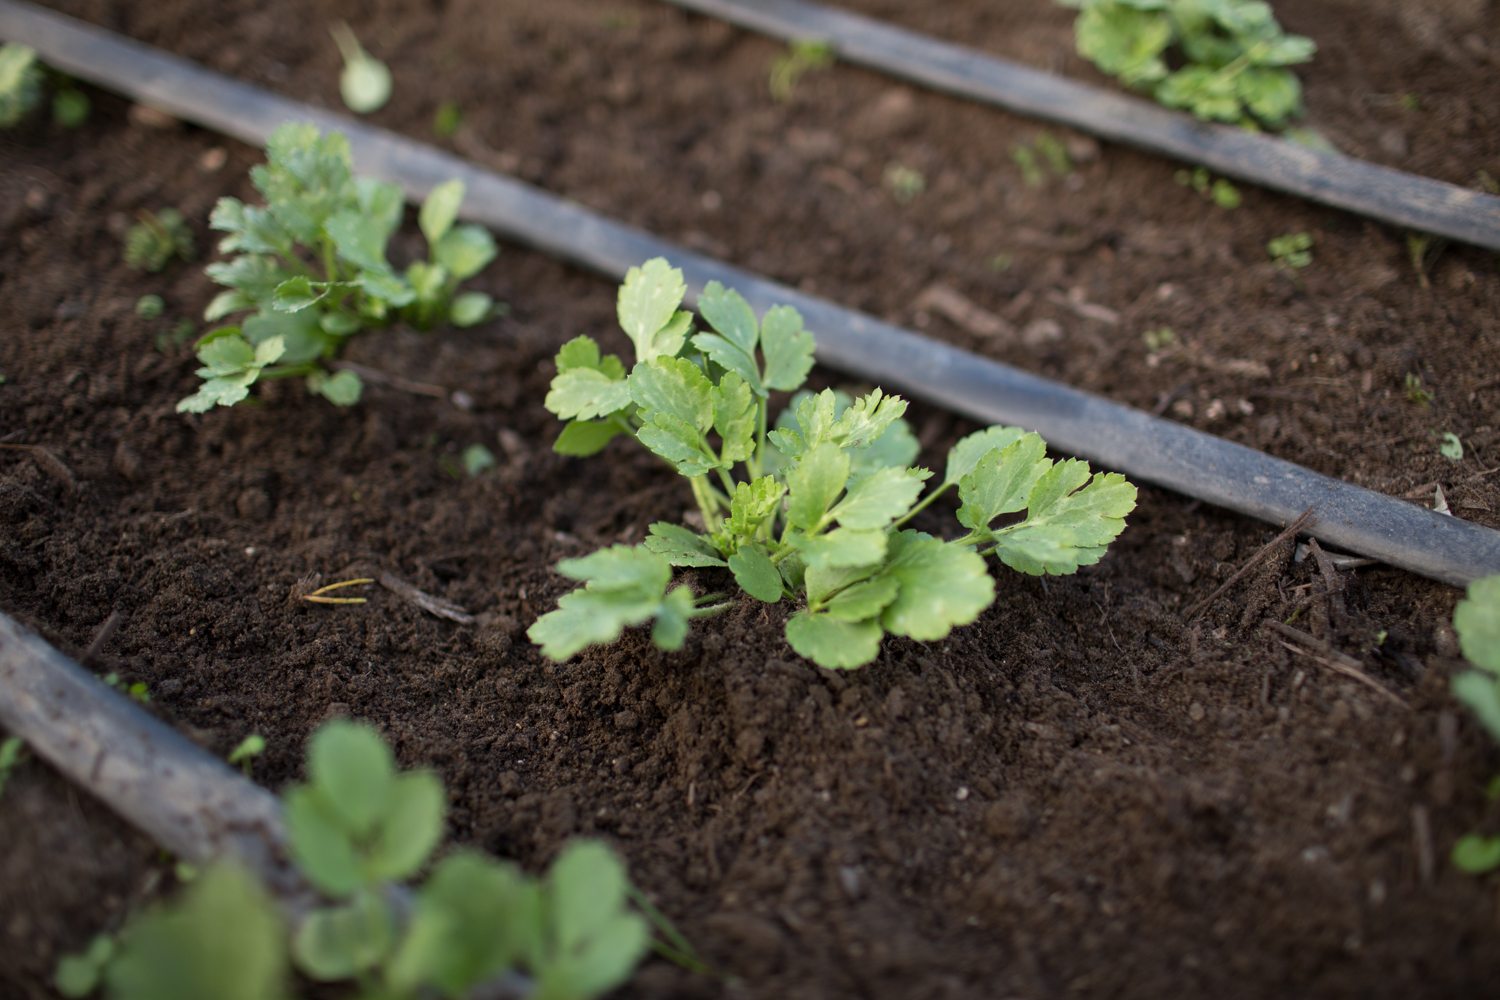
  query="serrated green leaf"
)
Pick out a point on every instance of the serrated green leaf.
point(647, 309)
point(471, 308)
point(735, 415)
point(867, 418)
point(226, 302)
point(226, 355)
point(880, 498)
point(298, 293)
point(1067, 524)
point(814, 483)
point(831, 643)
point(1477, 621)
point(756, 574)
point(342, 388)
point(410, 827)
point(842, 547)
point(387, 288)
point(1476, 854)
point(670, 629)
point(586, 394)
point(465, 251)
point(217, 392)
point(590, 617)
point(440, 209)
point(729, 357)
point(752, 504)
point(582, 438)
point(465, 927)
point(359, 239)
point(223, 939)
point(896, 448)
point(341, 942)
point(620, 567)
point(681, 444)
point(681, 547)
point(964, 456)
point(727, 312)
point(1125, 41)
point(353, 770)
point(301, 334)
point(1001, 481)
point(1272, 95)
point(943, 585)
point(674, 387)
point(787, 347)
point(863, 601)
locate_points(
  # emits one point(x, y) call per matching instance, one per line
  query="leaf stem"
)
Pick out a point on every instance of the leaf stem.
point(922, 505)
point(708, 504)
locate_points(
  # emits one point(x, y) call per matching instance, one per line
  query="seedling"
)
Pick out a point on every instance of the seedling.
point(365, 82)
point(813, 510)
point(357, 824)
point(153, 241)
point(246, 751)
point(1215, 189)
point(79, 975)
point(1292, 251)
point(1041, 157)
point(20, 83)
point(312, 266)
point(1477, 622)
point(12, 752)
point(800, 58)
point(904, 182)
point(323, 594)
point(1451, 447)
point(1159, 339)
point(150, 306)
point(446, 120)
point(1423, 250)
point(1416, 392)
point(477, 458)
point(1223, 60)
point(70, 107)
point(137, 690)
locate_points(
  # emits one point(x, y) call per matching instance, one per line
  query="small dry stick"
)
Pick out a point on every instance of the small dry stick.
point(432, 605)
point(1340, 663)
point(50, 463)
point(319, 596)
point(1289, 532)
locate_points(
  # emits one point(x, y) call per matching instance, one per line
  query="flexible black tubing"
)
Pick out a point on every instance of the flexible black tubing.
point(1147, 448)
point(1328, 177)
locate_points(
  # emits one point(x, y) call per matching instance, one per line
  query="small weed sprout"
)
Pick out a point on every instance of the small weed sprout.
point(245, 752)
point(800, 58)
point(156, 238)
point(1416, 392)
point(1477, 622)
point(1159, 339)
point(819, 513)
point(12, 752)
point(1291, 252)
point(1041, 158)
point(365, 83)
point(20, 83)
point(1215, 189)
point(150, 306)
point(1231, 56)
point(1451, 447)
point(447, 120)
point(904, 183)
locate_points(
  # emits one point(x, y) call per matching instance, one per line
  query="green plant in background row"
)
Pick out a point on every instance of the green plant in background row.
point(1223, 60)
point(311, 264)
point(801, 57)
point(21, 78)
point(812, 510)
point(1215, 189)
point(1477, 622)
point(1039, 156)
point(365, 83)
point(156, 238)
point(358, 824)
point(1292, 252)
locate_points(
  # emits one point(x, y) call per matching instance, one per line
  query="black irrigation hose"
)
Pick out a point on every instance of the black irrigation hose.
point(1146, 447)
point(1391, 196)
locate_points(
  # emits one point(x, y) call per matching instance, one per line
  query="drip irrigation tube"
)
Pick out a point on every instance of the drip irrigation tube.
point(1146, 447)
point(1391, 196)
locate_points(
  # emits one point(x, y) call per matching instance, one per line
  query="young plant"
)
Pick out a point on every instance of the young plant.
point(311, 264)
point(365, 83)
point(1477, 622)
point(1291, 252)
point(1223, 60)
point(1215, 189)
point(904, 183)
point(813, 510)
point(12, 752)
point(156, 238)
point(358, 824)
point(20, 83)
point(1041, 155)
point(801, 57)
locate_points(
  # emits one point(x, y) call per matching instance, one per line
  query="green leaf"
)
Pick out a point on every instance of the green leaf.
point(410, 828)
point(365, 82)
point(943, 585)
point(964, 456)
point(675, 387)
point(727, 312)
point(1001, 481)
point(814, 483)
point(341, 942)
point(321, 846)
point(624, 586)
point(464, 930)
point(354, 771)
point(80, 974)
point(620, 567)
point(862, 601)
point(226, 355)
point(586, 887)
point(440, 209)
point(380, 200)
point(648, 309)
point(679, 443)
point(1272, 95)
point(735, 414)
point(880, 498)
point(216, 392)
point(465, 251)
point(1477, 621)
point(1067, 524)
point(1125, 41)
point(842, 547)
point(359, 239)
point(1476, 854)
point(581, 438)
point(671, 627)
point(787, 347)
point(756, 574)
point(1481, 692)
point(583, 352)
point(471, 308)
point(585, 394)
point(752, 504)
point(896, 448)
point(342, 388)
point(298, 293)
point(681, 547)
point(223, 939)
point(831, 643)
point(867, 418)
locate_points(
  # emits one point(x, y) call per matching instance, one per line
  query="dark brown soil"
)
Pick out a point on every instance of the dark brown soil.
point(1085, 793)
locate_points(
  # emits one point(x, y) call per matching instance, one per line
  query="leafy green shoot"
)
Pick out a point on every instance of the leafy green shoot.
point(1292, 251)
point(158, 237)
point(12, 752)
point(800, 58)
point(365, 83)
point(20, 83)
point(812, 508)
point(135, 690)
point(310, 267)
point(1451, 447)
point(1215, 189)
point(1416, 392)
point(1477, 622)
point(150, 306)
point(70, 107)
point(1223, 60)
point(80, 974)
point(246, 750)
point(1041, 159)
point(904, 183)
point(447, 119)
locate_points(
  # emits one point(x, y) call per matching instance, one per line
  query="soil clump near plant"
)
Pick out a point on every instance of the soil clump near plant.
point(1087, 792)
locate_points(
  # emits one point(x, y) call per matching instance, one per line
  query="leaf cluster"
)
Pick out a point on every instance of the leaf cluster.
point(156, 238)
point(812, 510)
point(310, 265)
point(355, 826)
point(1223, 60)
point(1292, 251)
point(20, 83)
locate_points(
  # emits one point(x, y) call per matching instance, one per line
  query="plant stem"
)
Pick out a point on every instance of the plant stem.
point(708, 505)
point(923, 504)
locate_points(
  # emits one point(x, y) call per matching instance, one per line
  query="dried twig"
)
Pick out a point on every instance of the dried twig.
point(432, 605)
point(375, 376)
point(1290, 531)
point(1322, 653)
point(50, 463)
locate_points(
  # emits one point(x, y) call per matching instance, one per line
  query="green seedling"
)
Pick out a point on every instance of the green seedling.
point(311, 266)
point(365, 82)
point(137, 691)
point(1416, 392)
point(356, 825)
point(1223, 60)
point(904, 183)
point(70, 107)
point(813, 510)
point(1041, 158)
point(477, 459)
point(1292, 251)
point(1215, 189)
point(12, 752)
point(1423, 250)
point(1159, 339)
point(20, 83)
point(1477, 622)
point(246, 751)
point(446, 120)
point(1451, 447)
point(150, 306)
point(156, 238)
point(800, 58)
point(80, 974)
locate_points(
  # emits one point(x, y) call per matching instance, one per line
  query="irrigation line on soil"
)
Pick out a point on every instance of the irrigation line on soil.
point(1391, 196)
point(1148, 448)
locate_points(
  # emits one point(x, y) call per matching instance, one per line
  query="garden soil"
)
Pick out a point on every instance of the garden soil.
point(1092, 791)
